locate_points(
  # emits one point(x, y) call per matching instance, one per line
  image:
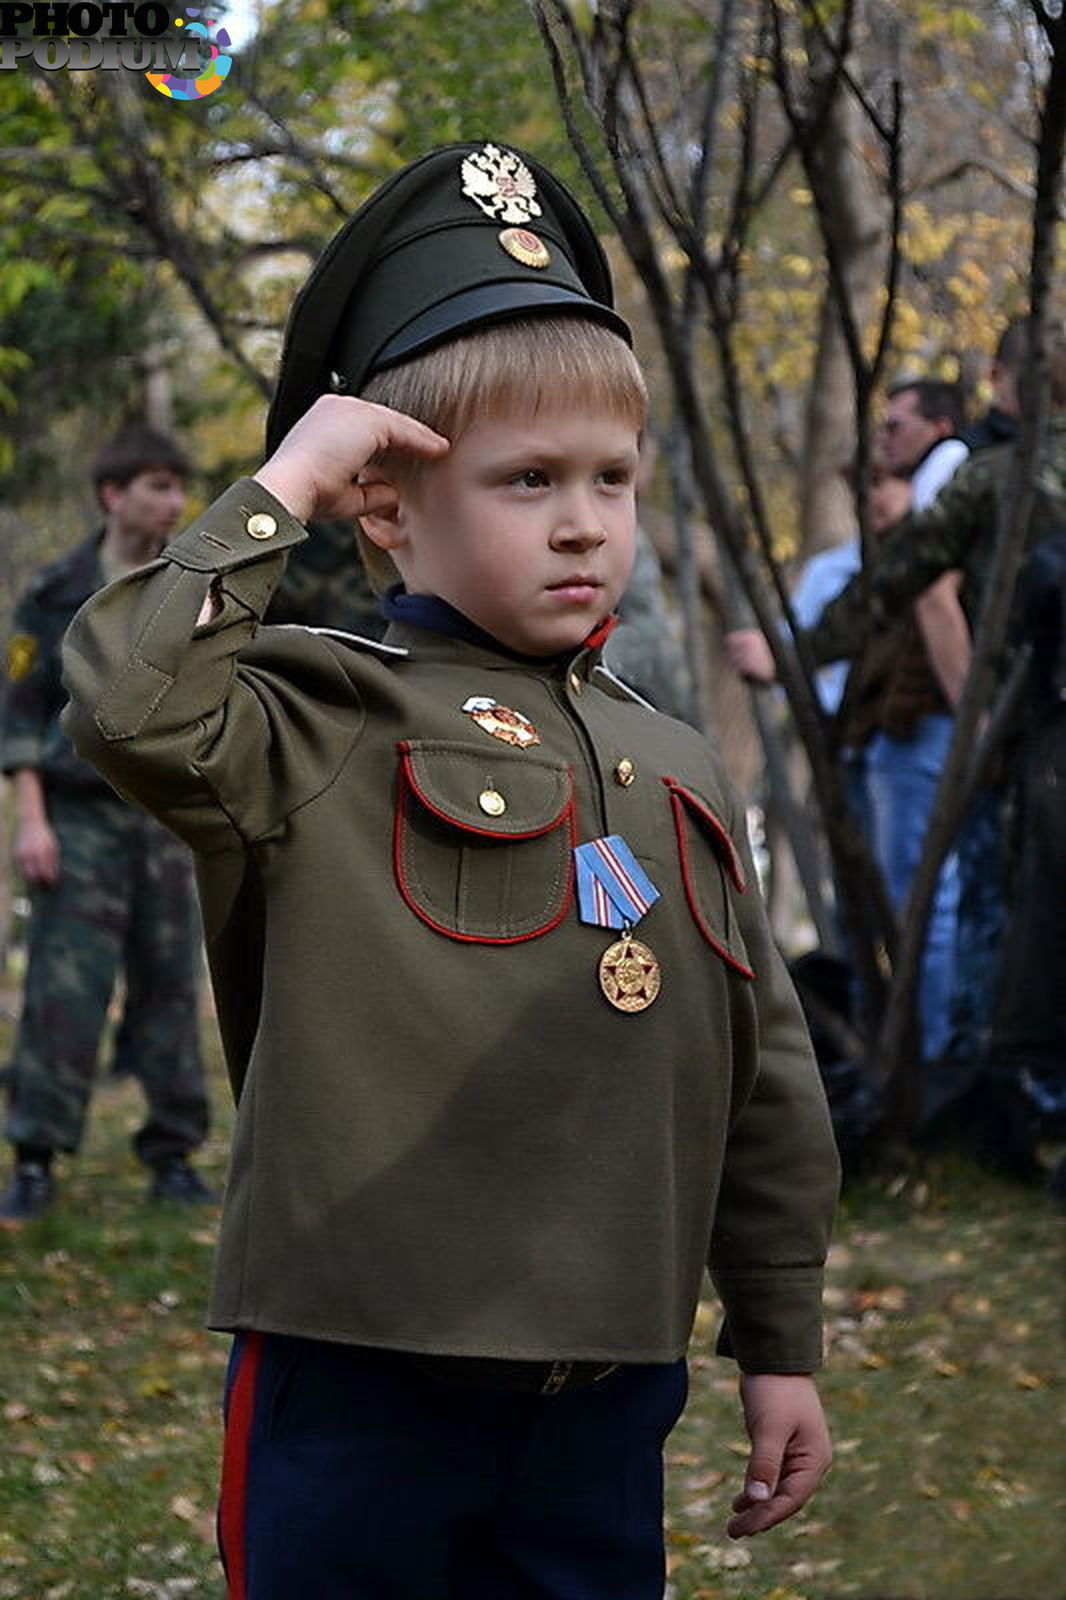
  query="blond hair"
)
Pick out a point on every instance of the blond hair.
point(515, 368)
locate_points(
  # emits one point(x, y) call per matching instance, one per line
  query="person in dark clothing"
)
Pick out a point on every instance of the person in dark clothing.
point(111, 889)
point(1029, 1021)
point(981, 845)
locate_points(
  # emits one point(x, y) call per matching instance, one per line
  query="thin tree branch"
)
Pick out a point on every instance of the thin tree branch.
point(952, 174)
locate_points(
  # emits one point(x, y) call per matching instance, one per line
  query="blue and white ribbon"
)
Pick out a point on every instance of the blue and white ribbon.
point(613, 890)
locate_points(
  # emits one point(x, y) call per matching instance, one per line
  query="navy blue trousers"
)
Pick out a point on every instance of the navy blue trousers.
point(349, 1474)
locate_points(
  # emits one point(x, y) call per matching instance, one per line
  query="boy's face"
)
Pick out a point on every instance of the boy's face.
point(526, 526)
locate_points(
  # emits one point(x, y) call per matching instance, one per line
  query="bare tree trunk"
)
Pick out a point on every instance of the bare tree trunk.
point(689, 588)
point(826, 504)
point(857, 217)
point(158, 389)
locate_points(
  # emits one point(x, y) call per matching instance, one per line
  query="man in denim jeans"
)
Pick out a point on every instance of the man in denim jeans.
point(918, 438)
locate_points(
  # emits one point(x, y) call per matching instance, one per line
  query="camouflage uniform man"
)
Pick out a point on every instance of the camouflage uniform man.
point(111, 889)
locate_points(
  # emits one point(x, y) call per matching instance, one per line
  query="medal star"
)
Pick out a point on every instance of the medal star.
point(630, 976)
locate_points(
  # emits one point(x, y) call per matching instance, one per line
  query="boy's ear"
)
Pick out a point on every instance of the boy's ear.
point(385, 528)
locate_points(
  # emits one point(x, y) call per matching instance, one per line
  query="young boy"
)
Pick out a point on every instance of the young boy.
point(514, 1051)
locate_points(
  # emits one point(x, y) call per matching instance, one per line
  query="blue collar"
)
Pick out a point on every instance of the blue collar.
point(430, 611)
point(439, 616)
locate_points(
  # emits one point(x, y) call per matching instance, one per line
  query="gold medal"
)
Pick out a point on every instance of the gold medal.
point(630, 975)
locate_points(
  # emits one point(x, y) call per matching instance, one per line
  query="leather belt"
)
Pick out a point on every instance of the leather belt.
point(520, 1377)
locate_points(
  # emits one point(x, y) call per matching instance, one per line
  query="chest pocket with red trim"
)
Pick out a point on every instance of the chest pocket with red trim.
point(483, 839)
point(711, 873)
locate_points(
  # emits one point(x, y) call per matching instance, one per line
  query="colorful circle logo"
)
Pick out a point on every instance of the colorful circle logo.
point(212, 74)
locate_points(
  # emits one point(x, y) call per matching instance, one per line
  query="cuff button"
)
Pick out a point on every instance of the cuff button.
point(261, 526)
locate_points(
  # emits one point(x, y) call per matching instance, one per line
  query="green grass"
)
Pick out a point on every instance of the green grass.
point(944, 1309)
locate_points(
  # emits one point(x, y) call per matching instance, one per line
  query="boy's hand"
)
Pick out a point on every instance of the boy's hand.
point(320, 467)
point(750, 655)
point(790, 1450)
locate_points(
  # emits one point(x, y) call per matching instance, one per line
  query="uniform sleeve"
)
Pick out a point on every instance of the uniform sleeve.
point(912, 556)
point(780, 1179)
point(26, 709)
point(215, 733)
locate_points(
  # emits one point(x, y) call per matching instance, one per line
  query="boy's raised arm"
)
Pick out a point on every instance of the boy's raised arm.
point(151, 697)
point(160, 702)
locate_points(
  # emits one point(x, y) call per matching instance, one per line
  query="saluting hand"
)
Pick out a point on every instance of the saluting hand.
point(322, 466)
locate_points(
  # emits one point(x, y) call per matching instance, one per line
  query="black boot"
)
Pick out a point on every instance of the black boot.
point(176, 1180)
point(29, 1194)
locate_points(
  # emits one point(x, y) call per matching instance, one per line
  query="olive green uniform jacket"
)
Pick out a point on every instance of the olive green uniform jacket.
point(447, 1139)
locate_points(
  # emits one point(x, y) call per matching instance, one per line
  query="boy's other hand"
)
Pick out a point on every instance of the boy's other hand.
point(750, 655)
point(320, 468)
point(790, 1450)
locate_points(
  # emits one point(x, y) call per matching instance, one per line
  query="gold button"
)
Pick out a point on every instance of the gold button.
point(575, 683)
point(261, 526)
point(625, 772)
point(492, 802)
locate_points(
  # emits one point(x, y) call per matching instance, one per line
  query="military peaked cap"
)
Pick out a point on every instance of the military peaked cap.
point(467, 235)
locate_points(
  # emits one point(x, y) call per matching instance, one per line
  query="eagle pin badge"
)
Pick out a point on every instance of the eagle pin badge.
point(501, 722)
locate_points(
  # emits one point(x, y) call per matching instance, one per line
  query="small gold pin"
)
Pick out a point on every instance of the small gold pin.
point(525, 247)
point(624, 773)
point(492, 802)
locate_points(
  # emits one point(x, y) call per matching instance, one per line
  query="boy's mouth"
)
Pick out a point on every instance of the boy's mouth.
point(581, 586)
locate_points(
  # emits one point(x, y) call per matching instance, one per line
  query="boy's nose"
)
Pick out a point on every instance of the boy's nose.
point(574, 536)
point(580, 527)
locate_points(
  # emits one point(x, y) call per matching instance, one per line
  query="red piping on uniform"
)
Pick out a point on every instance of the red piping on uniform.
point(469, 827)
point(601, 633)
point(568, 815)
point(236, 1449)
point(720, 833)
point(677, 797)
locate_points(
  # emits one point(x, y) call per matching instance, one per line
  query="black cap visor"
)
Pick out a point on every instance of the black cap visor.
point(496, 302)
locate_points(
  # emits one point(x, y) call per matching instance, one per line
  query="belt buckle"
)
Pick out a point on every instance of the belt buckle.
point(557, 1377)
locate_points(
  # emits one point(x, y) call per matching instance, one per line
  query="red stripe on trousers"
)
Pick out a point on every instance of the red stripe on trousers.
point(235, 1452)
